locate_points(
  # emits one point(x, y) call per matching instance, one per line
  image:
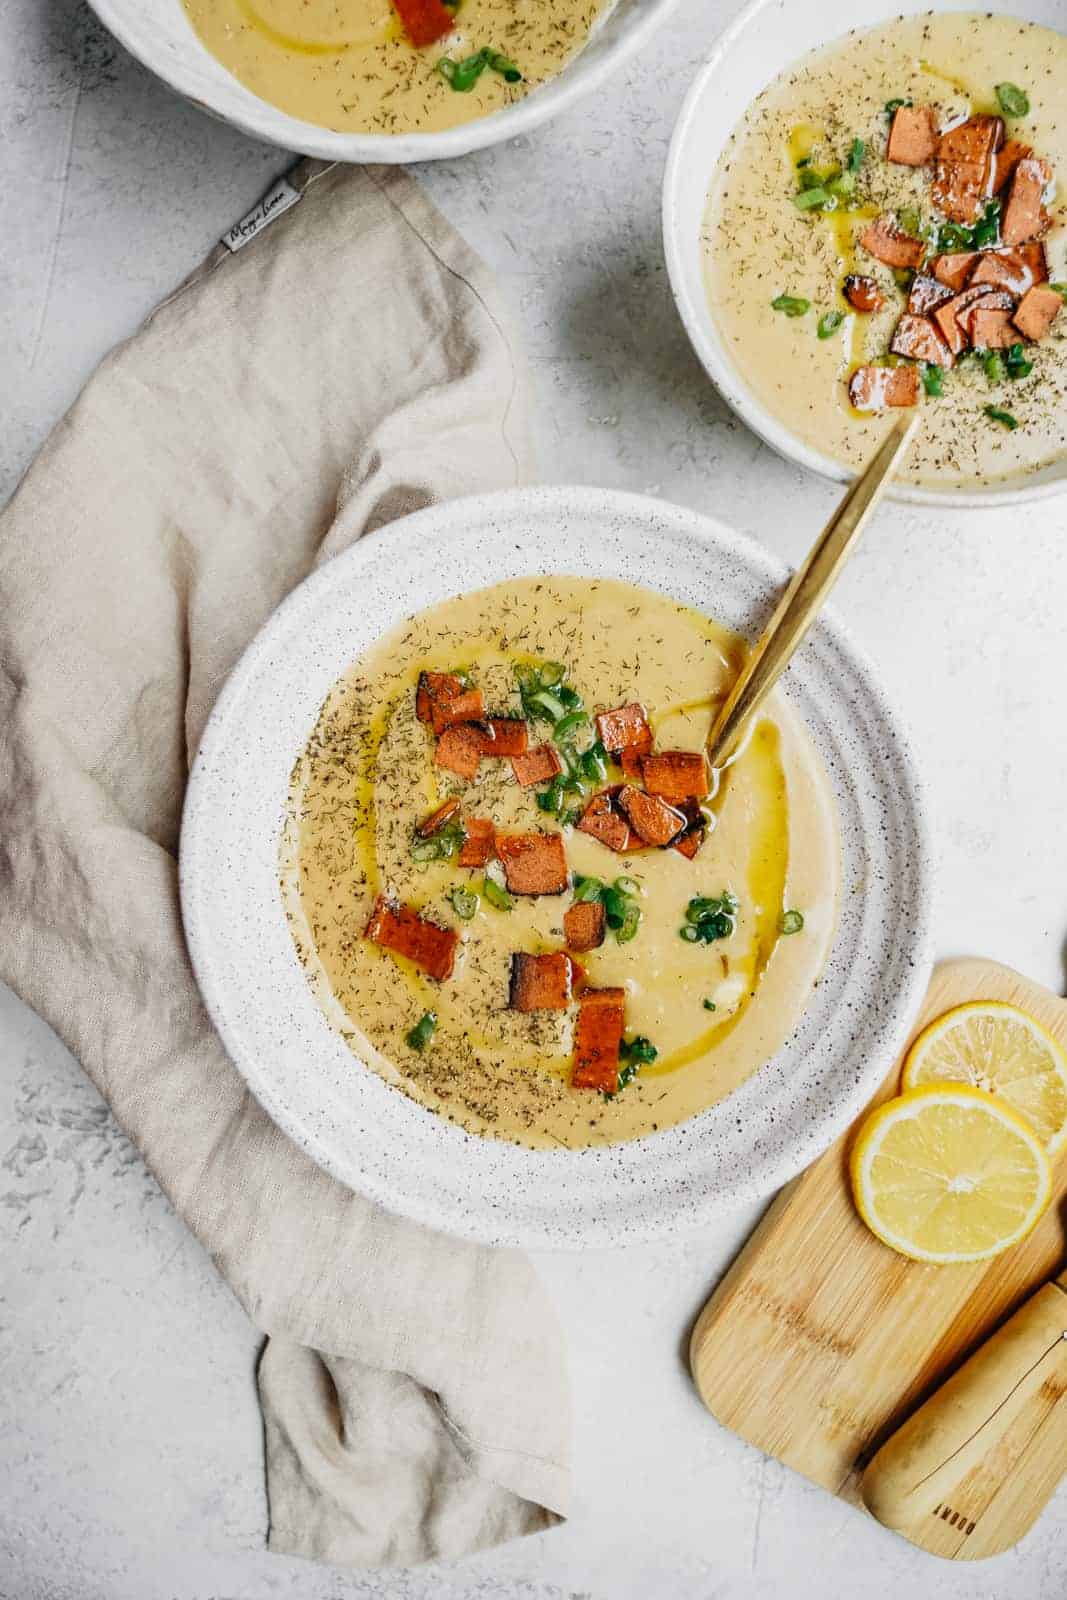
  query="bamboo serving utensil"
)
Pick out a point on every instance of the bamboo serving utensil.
point(804, 595)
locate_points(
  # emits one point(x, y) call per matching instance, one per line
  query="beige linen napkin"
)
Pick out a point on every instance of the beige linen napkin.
point(349, 364)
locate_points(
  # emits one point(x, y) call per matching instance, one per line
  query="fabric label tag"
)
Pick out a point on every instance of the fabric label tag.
point(274, 202)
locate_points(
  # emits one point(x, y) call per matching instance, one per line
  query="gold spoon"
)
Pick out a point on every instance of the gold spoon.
point(803, 597)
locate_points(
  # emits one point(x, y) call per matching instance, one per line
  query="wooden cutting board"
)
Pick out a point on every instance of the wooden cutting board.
point(820, 1340)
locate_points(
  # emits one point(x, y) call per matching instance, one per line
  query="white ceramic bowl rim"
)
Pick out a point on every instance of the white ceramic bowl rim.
point(374, 1138)
point(681, 244)
point(189, 68)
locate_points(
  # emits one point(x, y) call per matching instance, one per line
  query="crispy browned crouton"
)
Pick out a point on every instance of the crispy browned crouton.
point(534, 863)
point(972, 141)
point(912, 136)
point(918, 338)
point(947, 317)
point(437, 819)
point(1005, 269)
point(467, 706)
point(885, 241)
point(862, 293)
point(434, 687)
point(1025, 216)
point(995, 300)
point(602, 820)
point(460, 749)
point(677, 775)
point(480, 843)
point(597, 1038)
point(964, 174)
point(537, 766)
point(511, 737)
point(540, 983)
point(991, 329)
point(625, 728)
point(401, 930)
point(1011, 152)
point(926, 294)
point(583, 925)
point(954, 269)
point(1037, 311)
point(874, 388)
point(652, 819)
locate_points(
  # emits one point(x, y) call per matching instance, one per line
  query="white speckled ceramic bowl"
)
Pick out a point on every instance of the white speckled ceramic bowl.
point(159, 34)
point(374, 1138)
point(761, 41)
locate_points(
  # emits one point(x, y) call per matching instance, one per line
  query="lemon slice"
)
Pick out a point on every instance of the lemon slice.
point(949, 1173)
point(998, 1048)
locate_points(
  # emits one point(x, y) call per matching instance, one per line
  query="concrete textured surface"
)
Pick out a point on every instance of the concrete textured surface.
point(129, 1435)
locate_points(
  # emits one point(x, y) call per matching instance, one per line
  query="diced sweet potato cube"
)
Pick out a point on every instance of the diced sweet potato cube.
point(467, 706)
point(460, 749)
point(1033, 254)
point(511, 736)
point(954, 269)
point(540, 983)
point(918, 338)
point(625, 728)
point(992, 329)
point(947, 317)
point(584, 924)
point(534, 863)
point(539, 765)
point(959, 188)
point(862, 293)
point(972, 141)
point(424, 21)
point(1037, 311)
point(1011, 152)
point(479, 845)
point(696, 829)
point(401, 930)
point(651, 818)
point(885, 241)
point(995, 300)
point(597, 1037)
point(602, 821)
point(926, 294)
point(1002, 269)
point(874, 388)
point(912, 136)
point(677, 775)
point(1025, 216)
point(437, 819)
point(688, 844)
point(434, 687)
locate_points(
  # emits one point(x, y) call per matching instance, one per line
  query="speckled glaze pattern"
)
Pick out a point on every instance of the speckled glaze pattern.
point(159, 34)
point(374, 1138)
point(764, 39)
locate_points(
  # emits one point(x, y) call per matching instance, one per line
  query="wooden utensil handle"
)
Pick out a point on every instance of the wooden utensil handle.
point(940, 1473)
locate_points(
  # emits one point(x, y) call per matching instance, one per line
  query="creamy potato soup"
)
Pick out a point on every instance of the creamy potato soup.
point(887, 228)
point(393, 66)
point(514, 886)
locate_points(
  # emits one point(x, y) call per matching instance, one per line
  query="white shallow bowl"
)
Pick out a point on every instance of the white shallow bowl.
point(159, 34)
point(371, 1136)
point(767, 36)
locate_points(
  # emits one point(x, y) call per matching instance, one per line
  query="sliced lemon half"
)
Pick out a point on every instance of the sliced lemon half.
point(997, 1047)
point(948, 1173)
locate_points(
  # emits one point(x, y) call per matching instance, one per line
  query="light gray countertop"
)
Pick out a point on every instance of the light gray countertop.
point(129, 1435)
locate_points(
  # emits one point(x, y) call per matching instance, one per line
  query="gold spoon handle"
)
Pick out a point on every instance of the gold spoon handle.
point(802, 600)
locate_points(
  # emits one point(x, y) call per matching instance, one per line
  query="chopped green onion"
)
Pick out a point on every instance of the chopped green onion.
point(909, 219)
point(627, 886)
point(808, 200)
point(621, 912)
point(594, 762)
point(421, 1034)
point(892, 106)
point(1060, 288)
point(987, 230)
point(551, 799)
point(505, 66)
point(954, 237)
point(570, 698)
point(710, 918)
point(638, 1049)
point(464, 903)
point(709, 1005)
point(496, 894)
point(933, 378)
point(572, 817)
point(463, 75)
point(791, 304)
point(614, 905)
point(629, 925)
point(1005, 418)
point(440, 846)
point(810, 178)
point(791, 922)
point(1013, 101)
point(855, 155)
point(587, 889)
point(567, 724)
point(1016, 362)
point(550, 674)
point(546, 704)
point(843, 186)
point(829, 323)
point(689, 932)
point(993, 366)
point(805, 161)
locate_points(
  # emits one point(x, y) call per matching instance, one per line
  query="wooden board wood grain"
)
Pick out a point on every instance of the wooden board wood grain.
point(820, 1340)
